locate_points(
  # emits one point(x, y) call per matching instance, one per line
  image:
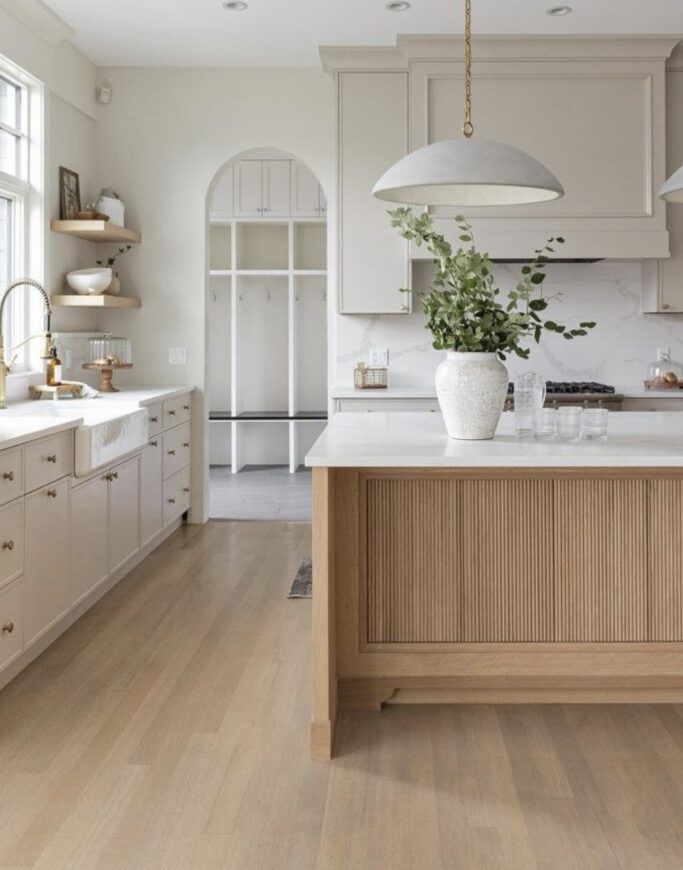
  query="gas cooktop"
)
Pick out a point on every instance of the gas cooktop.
point(568, 388)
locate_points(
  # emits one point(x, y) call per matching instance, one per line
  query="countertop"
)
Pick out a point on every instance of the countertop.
point(408, 440)
point(629, 391)
point(30, 419)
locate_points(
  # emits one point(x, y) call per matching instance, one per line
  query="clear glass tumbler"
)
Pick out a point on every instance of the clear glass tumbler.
point(569, 421)
point(546, 423)
point(594, 422)
point(529, 397)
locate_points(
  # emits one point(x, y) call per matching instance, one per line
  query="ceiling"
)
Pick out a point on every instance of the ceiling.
point(288, 32)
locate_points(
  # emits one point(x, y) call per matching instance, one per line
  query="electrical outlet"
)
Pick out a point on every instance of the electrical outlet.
point(176, 356)
point(378, 356)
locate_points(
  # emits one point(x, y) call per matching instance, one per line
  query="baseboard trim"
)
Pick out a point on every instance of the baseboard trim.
point(41, 643)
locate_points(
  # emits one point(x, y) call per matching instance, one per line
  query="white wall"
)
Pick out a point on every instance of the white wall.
point(162, 140)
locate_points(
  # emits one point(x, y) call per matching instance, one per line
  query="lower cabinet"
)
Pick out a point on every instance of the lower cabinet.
point(11, 621)
point(151, 486)
point(176, 495)
point(124, 511)
point(47, 586)
point(89, 535)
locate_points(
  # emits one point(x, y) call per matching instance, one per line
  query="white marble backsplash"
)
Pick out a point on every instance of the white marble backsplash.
point(617, 351)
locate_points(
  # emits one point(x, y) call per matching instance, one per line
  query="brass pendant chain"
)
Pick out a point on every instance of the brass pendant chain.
point(467, 127)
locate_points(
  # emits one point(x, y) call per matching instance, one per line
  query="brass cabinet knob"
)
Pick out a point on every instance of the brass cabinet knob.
point(171, 452)
point(171, 501)
point(8, 475)
point(186, 407)
point(8, 628)
point(153, 443)
point(8, 545)
point(172, 413)
point(52, 457)
point(186, 443)
point(115, 475)
point(51, 493)
point(186, 489)
point(154, 419)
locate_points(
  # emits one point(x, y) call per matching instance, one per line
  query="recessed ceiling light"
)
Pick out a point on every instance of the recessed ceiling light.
point(397, 5)
point(558, 11)
point(235, 5)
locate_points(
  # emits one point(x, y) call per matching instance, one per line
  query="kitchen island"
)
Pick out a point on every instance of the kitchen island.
point(498, 571)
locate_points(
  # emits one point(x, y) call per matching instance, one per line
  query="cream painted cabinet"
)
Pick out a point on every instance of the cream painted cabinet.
point(124, 512)
point(308, 199)
point(373, 134)
point(275, 186)
point(222, 205)
point(47, 586)
point(262, 188)
point(89, 536)
point(248, 193)
point(151, 490)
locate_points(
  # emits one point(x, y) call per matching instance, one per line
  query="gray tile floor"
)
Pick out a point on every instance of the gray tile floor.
point(260, 493)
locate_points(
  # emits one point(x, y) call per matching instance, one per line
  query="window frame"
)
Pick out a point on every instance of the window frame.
point(23, 311)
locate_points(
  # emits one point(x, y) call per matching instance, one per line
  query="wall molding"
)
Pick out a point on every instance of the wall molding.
point(40, 20)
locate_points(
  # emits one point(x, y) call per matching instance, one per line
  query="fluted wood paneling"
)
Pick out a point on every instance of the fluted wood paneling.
point(666, 565)
point(601, 560)
point(414, 561)
point(508, 560)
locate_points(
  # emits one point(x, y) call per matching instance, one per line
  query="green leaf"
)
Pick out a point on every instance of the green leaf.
point(538, 278)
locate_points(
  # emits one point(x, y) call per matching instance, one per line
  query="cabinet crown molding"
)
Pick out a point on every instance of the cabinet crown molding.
point(410, 49)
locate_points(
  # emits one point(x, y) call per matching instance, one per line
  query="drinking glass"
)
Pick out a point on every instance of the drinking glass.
point(529, 398)
point(594, 423)
point(569, 421)
point(546, 423)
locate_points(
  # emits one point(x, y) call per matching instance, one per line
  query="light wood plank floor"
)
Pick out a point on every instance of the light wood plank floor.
point(169, 729)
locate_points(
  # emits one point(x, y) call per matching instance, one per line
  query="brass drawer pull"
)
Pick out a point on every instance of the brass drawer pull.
point(171, 501)
point(186, 407)
point(171, 452)
point(8, 545)
point(113, 475)
point(172, 413)
point(8, 475)
point(8, 628)
point(186, 489)
point(186, 443)
point(52, 457)
point(51, 493)
point(153, 419)
point(153, 443)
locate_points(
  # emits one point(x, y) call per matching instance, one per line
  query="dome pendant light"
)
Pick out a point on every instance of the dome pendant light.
point(672, 189)
point(468, 172)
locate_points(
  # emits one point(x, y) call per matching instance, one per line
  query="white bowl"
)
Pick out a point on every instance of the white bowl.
point(89, 282)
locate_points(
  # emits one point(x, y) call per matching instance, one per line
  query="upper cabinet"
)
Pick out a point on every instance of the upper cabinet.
point(249, 188)
point(373, 134)
point(267, 188)
point(308, 199)
point(222, 205)
point(591, 109)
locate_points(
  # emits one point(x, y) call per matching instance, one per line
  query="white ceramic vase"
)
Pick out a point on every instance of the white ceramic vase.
point(471, 388)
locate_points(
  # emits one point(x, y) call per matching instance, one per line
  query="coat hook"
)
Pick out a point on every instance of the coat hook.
point(268, 293)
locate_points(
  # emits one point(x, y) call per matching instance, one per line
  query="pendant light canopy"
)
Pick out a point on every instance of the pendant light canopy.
point(467, 172)
point(672, 189)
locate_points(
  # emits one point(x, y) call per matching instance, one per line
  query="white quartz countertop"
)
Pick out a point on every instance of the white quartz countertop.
point(28, 420)
point(629, 391)
point(408, 440)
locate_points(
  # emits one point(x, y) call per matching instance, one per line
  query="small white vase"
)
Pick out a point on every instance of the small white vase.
point(471, 388)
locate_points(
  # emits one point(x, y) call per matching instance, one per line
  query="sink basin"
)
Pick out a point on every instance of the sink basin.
point(107, 431)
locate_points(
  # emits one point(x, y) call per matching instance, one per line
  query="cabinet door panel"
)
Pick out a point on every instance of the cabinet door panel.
point(89, 536)
point(276, 184)
point(222, 205)
point(124, 512)
point(248, 196)
point(305, 192)
point(151, 489)
point(48, 558)
point(373, 257)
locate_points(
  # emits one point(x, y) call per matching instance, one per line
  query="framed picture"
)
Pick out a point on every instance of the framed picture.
point(69, 194)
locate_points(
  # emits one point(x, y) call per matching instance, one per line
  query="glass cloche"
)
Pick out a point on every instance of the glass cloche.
point(665, 373)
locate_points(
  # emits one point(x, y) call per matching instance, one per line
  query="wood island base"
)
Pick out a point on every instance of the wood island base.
point(494, 585)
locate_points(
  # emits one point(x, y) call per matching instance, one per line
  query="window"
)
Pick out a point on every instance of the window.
point(21, 237)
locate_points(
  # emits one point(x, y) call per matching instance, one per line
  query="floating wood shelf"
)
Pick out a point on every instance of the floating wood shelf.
point(95, 231)
point(73, 300)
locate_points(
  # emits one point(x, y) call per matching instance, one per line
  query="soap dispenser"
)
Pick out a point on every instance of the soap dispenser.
point(54, 369)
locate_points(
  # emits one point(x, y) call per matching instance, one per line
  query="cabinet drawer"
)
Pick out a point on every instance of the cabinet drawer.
point(176, 443)
point(48, 459)
point(155, 422)
point(380, 405)
point(11, 621)
point(11, 541)
point(11, 474)
point(177, 411)
point(176, 495)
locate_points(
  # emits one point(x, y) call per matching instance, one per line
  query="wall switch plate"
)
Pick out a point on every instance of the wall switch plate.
point(378, 356)
point(176, 356)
